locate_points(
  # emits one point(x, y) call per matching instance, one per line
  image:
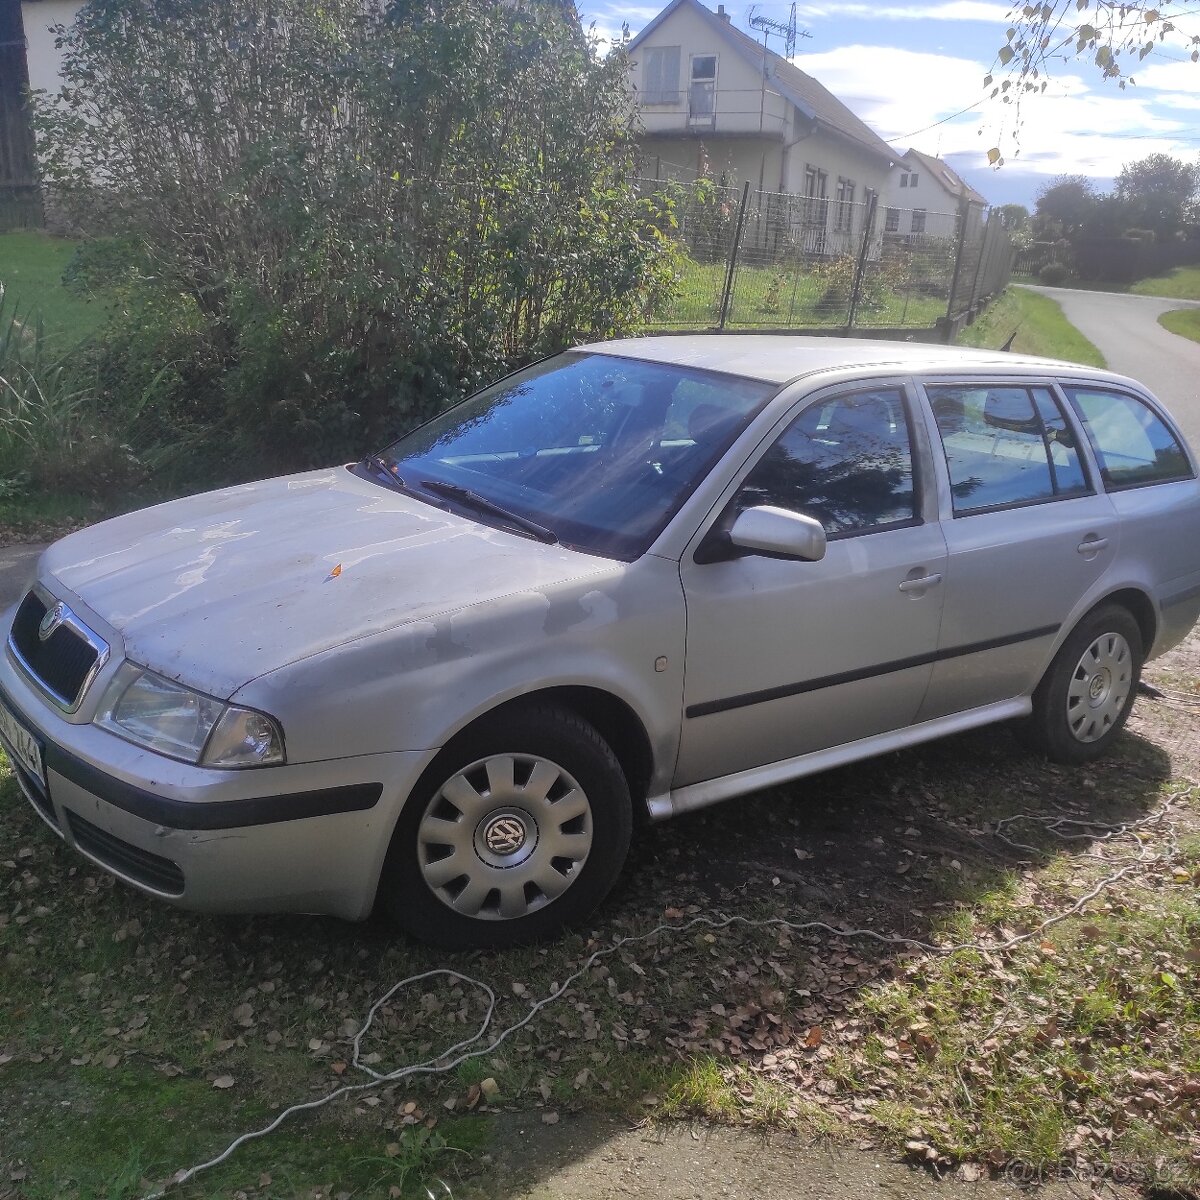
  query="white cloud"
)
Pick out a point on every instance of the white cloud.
point(950, 10)
point(1068, 129)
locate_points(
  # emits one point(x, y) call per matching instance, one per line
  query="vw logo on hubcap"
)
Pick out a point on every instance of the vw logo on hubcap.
point(504, 835)
point(51, 621)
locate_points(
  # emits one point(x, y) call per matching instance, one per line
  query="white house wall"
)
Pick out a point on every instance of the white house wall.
point(940, 204)
point(44, 59)
point(742, 103)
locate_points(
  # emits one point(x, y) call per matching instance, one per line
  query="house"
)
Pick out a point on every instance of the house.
point(28, 59)
point(713, 100)
point(926, 195)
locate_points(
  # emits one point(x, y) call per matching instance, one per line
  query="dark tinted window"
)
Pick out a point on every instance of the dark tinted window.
point(1005, 446)
point(1133, 446)
point(847, 462)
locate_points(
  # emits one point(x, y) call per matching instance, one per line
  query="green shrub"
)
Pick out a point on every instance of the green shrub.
point(323, 223)
point(51, 437)
point(1054, 273)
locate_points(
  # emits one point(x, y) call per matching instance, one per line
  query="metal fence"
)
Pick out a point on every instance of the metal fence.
point(773, 260)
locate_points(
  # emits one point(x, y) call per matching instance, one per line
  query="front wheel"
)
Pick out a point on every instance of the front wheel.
point(1085, 697)
point(519, 828)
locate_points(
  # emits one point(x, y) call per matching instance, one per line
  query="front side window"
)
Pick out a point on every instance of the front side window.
point(847, 462)
point(660, 75)
point(1133, 446)
point(918, 220)
point(598, 449)
point(892, 221)
point(1006, 446)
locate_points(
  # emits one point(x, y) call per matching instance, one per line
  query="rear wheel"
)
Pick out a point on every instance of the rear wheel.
point(1085, 697)
point(519, 828)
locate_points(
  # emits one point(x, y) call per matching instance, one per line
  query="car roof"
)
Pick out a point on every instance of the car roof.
point(778, 358)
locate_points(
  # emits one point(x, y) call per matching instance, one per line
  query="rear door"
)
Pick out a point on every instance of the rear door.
point(1027, 531)
point(788, 657)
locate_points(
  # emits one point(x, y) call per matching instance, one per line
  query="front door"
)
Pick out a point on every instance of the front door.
point(788, 657)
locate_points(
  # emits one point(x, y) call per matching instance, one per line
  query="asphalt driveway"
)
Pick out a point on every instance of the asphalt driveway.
point(17, 565)
point(1125, 328)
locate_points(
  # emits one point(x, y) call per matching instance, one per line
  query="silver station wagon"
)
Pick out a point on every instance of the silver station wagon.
point(630, 581)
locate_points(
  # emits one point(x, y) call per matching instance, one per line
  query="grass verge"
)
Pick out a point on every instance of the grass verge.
point(1040, 327)
point(1183, 321)
point(1182, 283)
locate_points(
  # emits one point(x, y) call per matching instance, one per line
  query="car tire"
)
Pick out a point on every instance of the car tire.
point(517, 830)
point(1084, 698)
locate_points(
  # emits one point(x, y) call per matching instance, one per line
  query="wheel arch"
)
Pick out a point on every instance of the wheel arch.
point(1140, 607)
point(613, 719)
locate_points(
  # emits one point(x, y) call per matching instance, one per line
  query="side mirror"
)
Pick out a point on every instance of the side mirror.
point(780, 533)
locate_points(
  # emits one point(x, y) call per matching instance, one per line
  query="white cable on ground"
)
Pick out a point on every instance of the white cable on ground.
point(460, 1052)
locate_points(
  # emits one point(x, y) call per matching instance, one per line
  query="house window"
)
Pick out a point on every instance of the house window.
point(912, 179)
point(918, 220)
point(844, 213)
point(703, 93)
point(904, 179)
point(891, 223)
point(660, 75)
point(816, 207)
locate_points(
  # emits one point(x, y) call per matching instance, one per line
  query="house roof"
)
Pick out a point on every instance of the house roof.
point(811, 97)
point(947, 176)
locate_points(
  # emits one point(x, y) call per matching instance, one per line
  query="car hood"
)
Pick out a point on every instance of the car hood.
point(218, 589)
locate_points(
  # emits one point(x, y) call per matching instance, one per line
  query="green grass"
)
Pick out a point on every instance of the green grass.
point(1183, 283)
point(1183, 321)
point(1040, 326)
point(31, 274)
point(788, 296)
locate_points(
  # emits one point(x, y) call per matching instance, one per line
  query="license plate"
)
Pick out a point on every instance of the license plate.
point(21, 744)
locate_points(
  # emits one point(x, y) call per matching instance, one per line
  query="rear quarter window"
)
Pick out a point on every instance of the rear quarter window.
point(1132, 444)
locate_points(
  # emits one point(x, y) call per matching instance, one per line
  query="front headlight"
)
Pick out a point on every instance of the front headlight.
point(164, 716)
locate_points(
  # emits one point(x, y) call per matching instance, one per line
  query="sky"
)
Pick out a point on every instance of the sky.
point(907, 68)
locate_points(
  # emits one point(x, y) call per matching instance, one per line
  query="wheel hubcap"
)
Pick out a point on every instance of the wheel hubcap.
point(504, 837)
point(1099, 687)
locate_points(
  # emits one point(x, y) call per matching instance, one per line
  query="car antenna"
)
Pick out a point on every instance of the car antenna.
point(1012, 337)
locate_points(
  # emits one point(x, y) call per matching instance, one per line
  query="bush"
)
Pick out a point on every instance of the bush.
point(326, 222)
point(1054, 273)
point(51, 438)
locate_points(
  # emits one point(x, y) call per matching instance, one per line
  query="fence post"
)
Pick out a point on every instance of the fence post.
point(963, 213)
point(861, 269)
point(985, 255)
point(731, 269)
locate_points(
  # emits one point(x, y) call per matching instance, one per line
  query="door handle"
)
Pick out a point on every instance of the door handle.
point(921, 582)
point(1092, 545)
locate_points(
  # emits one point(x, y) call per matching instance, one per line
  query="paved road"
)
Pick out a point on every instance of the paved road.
point(17, 565)
point(1125, 328)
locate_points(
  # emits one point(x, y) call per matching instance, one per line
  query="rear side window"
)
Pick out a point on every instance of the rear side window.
point(1132, 444)
point(1006, 446)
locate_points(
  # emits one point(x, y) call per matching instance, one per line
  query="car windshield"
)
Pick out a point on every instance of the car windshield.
point(598, 450)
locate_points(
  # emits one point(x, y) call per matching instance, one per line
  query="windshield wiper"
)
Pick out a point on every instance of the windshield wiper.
point(480, 503)
point(376, 464)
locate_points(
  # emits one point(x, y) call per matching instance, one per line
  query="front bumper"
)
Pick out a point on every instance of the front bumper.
point(306, 837)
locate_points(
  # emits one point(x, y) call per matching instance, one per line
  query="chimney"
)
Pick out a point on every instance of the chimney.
point(722, 13)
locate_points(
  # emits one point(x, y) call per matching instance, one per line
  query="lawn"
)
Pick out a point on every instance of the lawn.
point(1183, 321)
point(31, 277)
point(789, 295)
point(135, 1039)
point(1183, 283)
point(1040, 327)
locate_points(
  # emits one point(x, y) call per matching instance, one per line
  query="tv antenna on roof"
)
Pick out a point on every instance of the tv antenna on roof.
point(766, 26)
